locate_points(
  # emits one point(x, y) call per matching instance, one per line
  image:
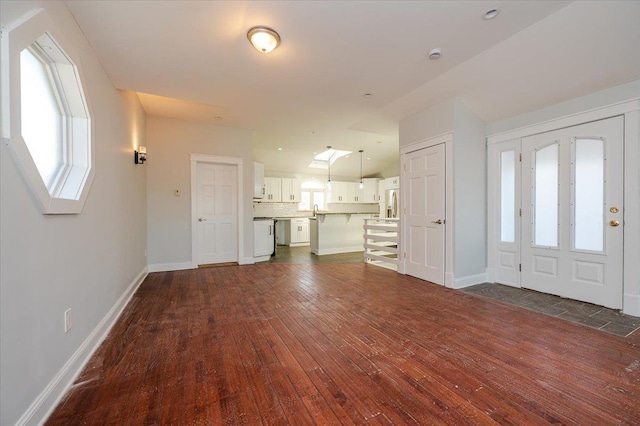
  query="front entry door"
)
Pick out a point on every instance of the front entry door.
point(572, 212)
point(216, 211)
point(425, 213)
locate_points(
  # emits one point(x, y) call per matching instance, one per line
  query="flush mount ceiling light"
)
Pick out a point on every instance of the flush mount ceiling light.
point(491, 13)
point(435, 53)
point(264, 39)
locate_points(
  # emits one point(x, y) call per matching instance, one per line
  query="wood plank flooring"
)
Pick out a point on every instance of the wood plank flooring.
point(349, 343)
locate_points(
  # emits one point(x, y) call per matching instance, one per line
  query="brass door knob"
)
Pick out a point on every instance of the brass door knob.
point(614, 210)
point(614, 223)
point(439, 221)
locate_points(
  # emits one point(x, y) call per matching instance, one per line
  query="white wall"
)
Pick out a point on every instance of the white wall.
point(84, 262)
point(581, 104)
point(169, 143)
point(426, 124)
point(470, 192)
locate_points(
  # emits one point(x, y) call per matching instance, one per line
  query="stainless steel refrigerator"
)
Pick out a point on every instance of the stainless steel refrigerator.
point(391, 201)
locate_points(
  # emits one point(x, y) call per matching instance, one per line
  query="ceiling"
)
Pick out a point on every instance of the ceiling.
point(191, 60)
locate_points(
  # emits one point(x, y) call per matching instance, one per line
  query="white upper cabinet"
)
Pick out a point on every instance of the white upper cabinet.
point(290, 190)
point(338, 193)
point(273, 190)
point(392, 182)
point(370, 193)
point(258, 180)
point(354, 193)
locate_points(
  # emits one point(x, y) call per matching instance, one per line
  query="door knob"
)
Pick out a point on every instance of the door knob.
point(614, 210)
point(202, 220)
point(439, 221)
point(614, 223)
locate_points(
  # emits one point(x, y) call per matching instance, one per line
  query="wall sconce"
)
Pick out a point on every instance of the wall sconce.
point(140, 156)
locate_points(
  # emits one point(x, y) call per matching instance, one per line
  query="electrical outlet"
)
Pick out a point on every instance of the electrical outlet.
point(67, 320)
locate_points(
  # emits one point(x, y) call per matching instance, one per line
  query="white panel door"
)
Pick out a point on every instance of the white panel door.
point(572, 212)
point(216, 208)
point(425, 214)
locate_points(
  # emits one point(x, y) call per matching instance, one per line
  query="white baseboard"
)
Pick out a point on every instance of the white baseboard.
point(338, 250)
point(299, 244)
point(261, 258)
point(247, 261)
point(177, 266)
point(470, 280)
point(49, 398)
point(631, 305)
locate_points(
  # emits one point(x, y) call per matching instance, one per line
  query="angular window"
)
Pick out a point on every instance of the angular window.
point(545, 206)
point(47, 125)
point(588, 202)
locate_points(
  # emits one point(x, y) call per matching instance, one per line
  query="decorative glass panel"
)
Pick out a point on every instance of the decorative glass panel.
point(589, 195)
point(546, 197)
point(508, 196)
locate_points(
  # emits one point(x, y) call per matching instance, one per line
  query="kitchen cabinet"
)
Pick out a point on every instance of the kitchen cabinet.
point(371, 193)
point(354, 193)
point(263, 240)
point(297, 234)
point(290, 190)
point(392, 182)
point(273, 190)
point(258, 180)
point(338, 193)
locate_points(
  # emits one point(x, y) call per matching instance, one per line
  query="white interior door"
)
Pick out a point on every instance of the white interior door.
point(425, 213)
point(572, 212)
point(216, 211)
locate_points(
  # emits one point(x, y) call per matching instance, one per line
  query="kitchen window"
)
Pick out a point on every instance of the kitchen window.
point(311, 194)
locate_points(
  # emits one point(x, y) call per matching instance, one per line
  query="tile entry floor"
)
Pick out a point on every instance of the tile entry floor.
point(609, 320)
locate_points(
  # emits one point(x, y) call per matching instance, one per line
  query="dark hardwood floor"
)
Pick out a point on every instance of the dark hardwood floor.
point(345, 343)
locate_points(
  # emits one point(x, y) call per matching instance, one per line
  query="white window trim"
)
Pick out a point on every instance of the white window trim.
point(14, 40)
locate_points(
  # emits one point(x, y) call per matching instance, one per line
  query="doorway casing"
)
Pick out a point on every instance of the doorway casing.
point(216, 159)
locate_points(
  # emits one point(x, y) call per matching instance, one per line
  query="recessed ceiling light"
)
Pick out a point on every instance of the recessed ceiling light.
point(312, 132)
point(279, 149)
point(218, 117)
point(264, 39)
point(368, 95)
point(435, 53)
point(379, 142)
point(491, 13)
point(368, 158)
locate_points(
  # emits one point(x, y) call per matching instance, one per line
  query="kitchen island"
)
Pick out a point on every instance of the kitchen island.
point(333, 233)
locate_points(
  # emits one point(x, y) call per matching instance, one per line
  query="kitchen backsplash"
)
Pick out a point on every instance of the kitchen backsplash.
point(290, 209)
point(276, 210)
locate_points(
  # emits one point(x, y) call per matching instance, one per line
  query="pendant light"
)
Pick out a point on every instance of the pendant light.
point(361, 184)
point(329, 168)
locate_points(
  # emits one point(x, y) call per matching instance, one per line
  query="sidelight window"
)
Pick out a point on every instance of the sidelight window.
point(508, 196)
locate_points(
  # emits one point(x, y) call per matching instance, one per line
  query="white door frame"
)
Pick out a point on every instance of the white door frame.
point(215, 159)
point(447, 140)
point(631, 232)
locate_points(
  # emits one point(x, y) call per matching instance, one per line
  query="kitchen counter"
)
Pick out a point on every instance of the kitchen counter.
point(333, 233)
